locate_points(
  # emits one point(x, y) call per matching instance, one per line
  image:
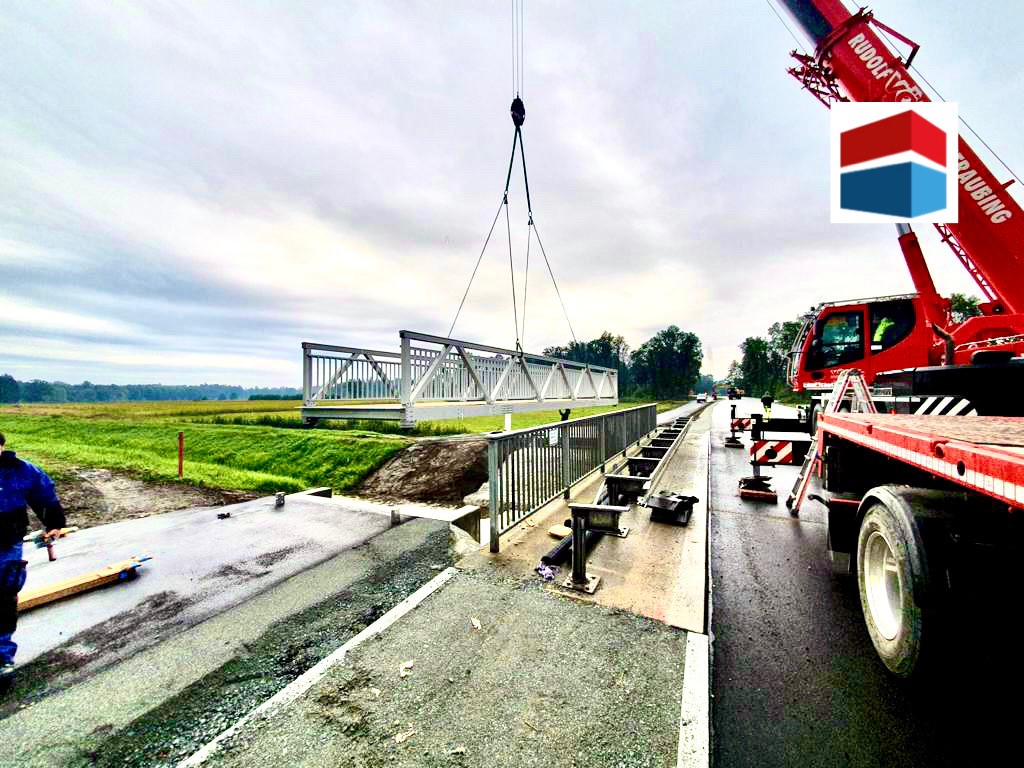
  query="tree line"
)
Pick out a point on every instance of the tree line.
point(39, 391)
point(666, 366)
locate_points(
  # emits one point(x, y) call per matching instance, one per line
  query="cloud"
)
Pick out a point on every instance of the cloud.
point(187, 191)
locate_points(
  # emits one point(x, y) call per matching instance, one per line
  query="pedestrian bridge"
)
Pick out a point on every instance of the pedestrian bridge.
point(437, 378)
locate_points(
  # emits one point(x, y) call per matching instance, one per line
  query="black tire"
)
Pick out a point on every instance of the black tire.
point(815, 411)
point(892, 584)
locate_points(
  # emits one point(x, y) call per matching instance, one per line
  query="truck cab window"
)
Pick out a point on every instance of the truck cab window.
point(839, 339)
point(891, 323)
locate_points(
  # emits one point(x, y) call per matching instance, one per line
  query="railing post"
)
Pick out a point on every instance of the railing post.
point(563, 444)
point(405, 392)
point(307, 374)
point(493, 490)
point(604, 440)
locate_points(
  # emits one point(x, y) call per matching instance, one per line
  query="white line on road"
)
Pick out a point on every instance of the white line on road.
point(315, 674)
point(694, 722)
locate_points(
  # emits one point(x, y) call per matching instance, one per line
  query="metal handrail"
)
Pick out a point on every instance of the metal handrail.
point(527, 468)
point(414, 335)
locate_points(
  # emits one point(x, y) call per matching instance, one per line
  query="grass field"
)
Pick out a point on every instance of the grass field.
point(235, 445)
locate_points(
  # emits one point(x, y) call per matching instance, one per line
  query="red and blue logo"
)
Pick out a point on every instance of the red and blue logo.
point(897, 165)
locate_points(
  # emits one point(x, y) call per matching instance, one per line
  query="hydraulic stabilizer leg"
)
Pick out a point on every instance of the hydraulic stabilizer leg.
point(757, 487)
point(732, 441)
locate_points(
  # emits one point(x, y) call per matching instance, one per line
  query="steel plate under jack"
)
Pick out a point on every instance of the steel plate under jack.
point(590, 587)
point(757, 488)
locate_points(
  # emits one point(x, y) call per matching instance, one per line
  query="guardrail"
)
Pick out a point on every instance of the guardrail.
point(437, 370)
point(527, 468)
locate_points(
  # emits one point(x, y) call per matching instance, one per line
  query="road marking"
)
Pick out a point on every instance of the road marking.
point(694, 721)
point(316, 673)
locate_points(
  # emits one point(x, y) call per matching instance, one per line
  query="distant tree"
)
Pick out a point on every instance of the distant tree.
point(734, 376)
point(756, 366)
point(607, 350)
point(36, 391)
point(964, 307)
point(706, 383)
point(10, 390)
point(668, 364)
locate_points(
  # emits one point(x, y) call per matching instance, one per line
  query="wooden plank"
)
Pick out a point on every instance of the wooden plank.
point(122, 571)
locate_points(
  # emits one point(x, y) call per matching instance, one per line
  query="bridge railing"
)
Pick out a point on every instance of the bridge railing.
point(461, 371)
point(332, 373)
point(434, 368)
point(527, 468)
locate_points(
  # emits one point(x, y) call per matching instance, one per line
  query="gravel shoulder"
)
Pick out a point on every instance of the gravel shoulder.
point(161, 704)
point(545, 681)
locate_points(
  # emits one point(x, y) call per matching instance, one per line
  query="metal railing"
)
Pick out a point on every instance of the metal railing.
point(527, 468)
point(433, 368)
point(331, 373)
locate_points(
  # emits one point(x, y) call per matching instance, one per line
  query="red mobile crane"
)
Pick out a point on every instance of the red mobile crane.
point(918, 505)
point(852, 63)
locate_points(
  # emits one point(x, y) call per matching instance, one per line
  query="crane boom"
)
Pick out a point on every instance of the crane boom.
point(852, 63)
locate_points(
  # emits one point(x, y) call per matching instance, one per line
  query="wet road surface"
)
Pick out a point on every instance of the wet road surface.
point(796, 681)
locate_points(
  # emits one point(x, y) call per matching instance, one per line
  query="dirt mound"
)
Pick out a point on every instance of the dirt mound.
point(97, 496)
point(438, 471)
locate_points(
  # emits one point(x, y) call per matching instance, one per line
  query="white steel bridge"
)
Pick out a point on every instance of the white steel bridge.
point(437, 378)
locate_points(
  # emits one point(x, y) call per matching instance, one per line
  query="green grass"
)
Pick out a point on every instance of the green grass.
point(234, 445)
point(250, 458)
point(467, 425)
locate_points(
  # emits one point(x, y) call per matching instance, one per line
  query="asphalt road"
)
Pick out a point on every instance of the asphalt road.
point(796, 681)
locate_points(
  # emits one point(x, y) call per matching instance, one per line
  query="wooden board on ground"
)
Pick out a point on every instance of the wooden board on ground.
point(122, 571)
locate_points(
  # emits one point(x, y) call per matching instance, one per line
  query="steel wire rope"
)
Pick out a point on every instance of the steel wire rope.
point(512, 274)
point(473, 276)
point(791, 33)
point(526, 276)
point(895, 52)
point(555, 283)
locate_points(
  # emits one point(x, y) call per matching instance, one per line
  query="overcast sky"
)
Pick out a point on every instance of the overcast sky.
point(190, 190)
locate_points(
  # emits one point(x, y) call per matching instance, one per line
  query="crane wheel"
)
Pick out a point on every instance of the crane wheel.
point(892, 575)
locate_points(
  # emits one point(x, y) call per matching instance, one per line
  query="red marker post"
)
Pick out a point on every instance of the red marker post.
point(181, 454)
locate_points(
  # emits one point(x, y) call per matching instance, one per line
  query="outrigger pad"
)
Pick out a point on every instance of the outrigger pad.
point(758, 488)
point(672, 508)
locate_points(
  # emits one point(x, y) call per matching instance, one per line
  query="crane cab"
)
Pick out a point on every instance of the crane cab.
point(872, 335)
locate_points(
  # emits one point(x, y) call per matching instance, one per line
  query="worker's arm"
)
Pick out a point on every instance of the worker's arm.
point(45, 503)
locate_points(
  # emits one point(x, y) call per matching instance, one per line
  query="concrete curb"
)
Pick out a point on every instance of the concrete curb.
point(695, 708)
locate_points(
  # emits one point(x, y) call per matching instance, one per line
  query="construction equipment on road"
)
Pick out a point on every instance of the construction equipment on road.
point(111, 574)
point(915, 331)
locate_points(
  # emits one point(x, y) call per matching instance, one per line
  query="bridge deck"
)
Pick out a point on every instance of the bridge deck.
point(430, 411)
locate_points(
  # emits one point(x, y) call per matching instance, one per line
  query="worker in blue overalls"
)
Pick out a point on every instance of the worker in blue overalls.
point(22, 485)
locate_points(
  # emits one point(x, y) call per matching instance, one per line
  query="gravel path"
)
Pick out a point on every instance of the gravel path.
point(546, 681)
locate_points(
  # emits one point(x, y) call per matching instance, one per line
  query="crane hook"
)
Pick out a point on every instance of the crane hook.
point(518, 112)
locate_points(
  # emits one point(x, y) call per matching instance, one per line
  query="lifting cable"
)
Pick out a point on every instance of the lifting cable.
point(518, 112)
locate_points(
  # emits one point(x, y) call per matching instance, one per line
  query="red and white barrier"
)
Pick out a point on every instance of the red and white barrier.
point(772, 452)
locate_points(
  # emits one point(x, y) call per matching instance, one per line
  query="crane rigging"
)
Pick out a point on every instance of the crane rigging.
point(518, 113)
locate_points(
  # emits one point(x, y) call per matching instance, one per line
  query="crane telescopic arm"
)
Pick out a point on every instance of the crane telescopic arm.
point(851, 62)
